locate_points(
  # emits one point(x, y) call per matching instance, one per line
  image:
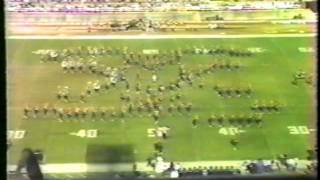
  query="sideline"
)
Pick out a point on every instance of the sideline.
point(144, 36)
point(141, 166)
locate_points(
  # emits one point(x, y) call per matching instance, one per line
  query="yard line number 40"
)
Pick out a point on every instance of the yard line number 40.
point(230, 131)
point(86, 133)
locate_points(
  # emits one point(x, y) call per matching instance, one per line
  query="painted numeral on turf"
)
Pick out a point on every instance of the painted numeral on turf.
point(256, 49)
point(298, 130)
point(152, 132)
point(91, 133)
point(229, 131)
point(306, 49)
point(16, 134)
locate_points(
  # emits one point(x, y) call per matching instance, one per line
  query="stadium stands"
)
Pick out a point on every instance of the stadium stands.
point(142, 6)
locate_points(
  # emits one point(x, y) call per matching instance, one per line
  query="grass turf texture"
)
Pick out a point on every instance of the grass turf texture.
point(269, 73)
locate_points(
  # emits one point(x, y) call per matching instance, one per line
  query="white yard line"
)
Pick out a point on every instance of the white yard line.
point(142, 166)
point(144, 36)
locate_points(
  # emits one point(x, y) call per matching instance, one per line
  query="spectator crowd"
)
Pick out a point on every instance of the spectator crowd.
point(141, 5)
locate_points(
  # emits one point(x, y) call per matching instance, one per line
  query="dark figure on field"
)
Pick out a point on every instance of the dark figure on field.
point(82, 97)
point(26, 111)
point(258, 122)
point(107, 86)
point(249, 121)
point(35, 111)
point(60, 114)
point(30, 162)
point(232, 120)
point(171, 108)
point(309, 79)
point(180, 107)
point(255, 105)
point(211, 120)
point(158, 147)
point(54, 110)
point(178, 96)
point(234, 143)
point(195, 121)
point(76, 112)
point(248, 91)
point(164, 135)
point(188, 107)
point(201, 85)
point(103, 112)
point(140, 107)
point(69, 113)
point(93, 113)
point(155, 116)
point(220, 120)
point(127, 85)
point(130, 108)
point(138, 87)
point(45, 109)
point(294, 82)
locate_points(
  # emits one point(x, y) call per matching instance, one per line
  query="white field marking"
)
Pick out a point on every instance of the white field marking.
point(63, 37)
point(150, 51)
point(312, 130)
point(306, 49)
point(142, 166)
point(17, 134)
point(241, 131)
point(298, 130)
point(90, 133)
point(157, 132)
point(229, 131)
point(256, 49)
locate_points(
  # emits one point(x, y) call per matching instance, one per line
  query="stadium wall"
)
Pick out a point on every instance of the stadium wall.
point(312, 5)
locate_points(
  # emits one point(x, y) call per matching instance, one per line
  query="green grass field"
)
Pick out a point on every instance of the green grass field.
point(270, 73)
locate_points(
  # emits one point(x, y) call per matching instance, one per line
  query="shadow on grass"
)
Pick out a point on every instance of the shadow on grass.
point(118, 160)
point(97, 154)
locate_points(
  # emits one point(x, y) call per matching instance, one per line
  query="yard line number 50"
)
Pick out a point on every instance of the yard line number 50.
point(157, 132)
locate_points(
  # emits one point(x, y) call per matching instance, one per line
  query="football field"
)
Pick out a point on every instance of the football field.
point(130, 138)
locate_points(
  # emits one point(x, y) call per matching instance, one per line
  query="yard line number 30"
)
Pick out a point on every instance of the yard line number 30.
point(298, 130)
point(19, 134)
